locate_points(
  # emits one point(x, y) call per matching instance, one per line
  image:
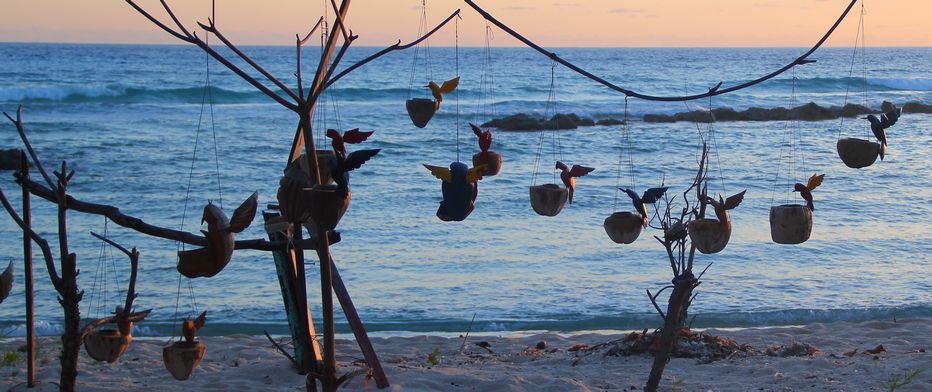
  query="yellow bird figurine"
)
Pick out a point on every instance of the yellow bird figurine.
point(446, 88)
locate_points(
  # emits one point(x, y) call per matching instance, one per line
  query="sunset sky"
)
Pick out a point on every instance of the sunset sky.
point(556, 23)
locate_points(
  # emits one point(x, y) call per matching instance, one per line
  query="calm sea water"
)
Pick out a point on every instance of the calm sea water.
point(126, 118)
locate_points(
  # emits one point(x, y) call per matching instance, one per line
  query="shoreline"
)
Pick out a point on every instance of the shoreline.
point(562, 362)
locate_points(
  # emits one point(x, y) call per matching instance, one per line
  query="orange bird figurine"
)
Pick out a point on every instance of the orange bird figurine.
point(189, 327)
point(569, 175)
point(806, 190)
point(485, 137)
point(722, 206)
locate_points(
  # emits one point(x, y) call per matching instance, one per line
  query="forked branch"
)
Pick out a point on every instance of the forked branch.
point(123, 315)
point(395, 47)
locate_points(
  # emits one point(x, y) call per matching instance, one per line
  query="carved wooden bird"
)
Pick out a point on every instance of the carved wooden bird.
point(446, 88)
point(722, 206)
point(340, 167)
point(212, 259)
point(189, 327)
point(568, 175)
point(650, 196)
point(352, 136)
point(485, 137)
point(459, 189)
point(6, 281)
point(806, 190)
point(880, 124)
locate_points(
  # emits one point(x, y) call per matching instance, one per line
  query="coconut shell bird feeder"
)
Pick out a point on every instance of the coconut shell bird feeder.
point(792, 223)
point(857, 153)
point(710, 236)
point(104, 343)
point(459, 189)
point(210, 260)
point(182, 358)
point(623, 227)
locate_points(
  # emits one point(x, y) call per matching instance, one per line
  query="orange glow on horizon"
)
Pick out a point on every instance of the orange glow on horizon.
point(558, 23)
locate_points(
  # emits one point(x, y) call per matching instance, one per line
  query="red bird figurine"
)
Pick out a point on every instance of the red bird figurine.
point(353, 136)
point(806, 190)
point(485, 137)
point(569, 176)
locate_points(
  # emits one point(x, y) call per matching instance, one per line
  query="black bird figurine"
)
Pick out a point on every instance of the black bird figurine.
point(880, 124)
point(650, 196)
point(340, 167)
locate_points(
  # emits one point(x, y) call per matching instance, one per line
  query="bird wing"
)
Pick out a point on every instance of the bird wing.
point(440, 172)
point(579, 171)
point(815, 181)
point(475, 174)
point(476, 130)
point(200, 320)
point(889, 118)
point(355, 136)
point(735, 200)
point(356, 158)
point(631, 193)
point(653, 194)
point(243, 215)
point(334, 134)
point(449, 85)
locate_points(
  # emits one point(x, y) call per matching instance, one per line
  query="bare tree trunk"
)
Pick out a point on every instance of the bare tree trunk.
point(71, 338)
point(677, 311)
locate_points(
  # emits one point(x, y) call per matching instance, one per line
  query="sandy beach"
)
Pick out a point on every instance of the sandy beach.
point(515, 363)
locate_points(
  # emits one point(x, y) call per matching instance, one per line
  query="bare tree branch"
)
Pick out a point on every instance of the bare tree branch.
point(136, 224)
point(397, 46)
point(211, 27)
point(43, 244)
point(18, 122)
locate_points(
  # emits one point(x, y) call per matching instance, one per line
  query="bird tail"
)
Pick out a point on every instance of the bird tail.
point(810, 205)
point(883, 149)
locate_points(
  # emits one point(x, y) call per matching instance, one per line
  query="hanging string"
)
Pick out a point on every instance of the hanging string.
point(714, 146)
point(554, 133)
point(421, 29)
point(786, 148)
point(623, 140)
point(456, 52)
point(858, 37)
point(864, 62)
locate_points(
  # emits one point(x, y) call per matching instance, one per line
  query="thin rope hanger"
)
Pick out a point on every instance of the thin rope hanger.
point(858, 38)
point(456, 52)
point(623, 140)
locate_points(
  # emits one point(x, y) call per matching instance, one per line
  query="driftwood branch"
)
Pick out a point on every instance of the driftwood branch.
point(18, 122)
point(136, 224)
point(653, 300)
point(281, 350)
point(211, 27)
point(298, 44)
point(193, 39)
point(395, 47)
point(43, 244)
point(803, 59)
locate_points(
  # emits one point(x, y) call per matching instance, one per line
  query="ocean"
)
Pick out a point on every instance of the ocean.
point(126, 118)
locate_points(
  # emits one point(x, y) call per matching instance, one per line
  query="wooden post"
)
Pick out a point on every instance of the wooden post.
point(359, 331)
point(307, 349)
point(329, 368)
point(30, 293)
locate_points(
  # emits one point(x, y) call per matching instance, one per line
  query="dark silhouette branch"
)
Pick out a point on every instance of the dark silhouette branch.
point(299, 43)
point(193, 39)
point(211, 27)
point(136, 224)
point(18, 122)
point(711, 93)
point(43, 244)
point(122, 315)
point(395, 47)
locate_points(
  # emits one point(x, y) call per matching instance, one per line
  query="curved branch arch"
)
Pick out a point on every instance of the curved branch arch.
point(717, 90)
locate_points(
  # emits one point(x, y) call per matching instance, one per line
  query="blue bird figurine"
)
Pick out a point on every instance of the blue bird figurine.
point(460, 188)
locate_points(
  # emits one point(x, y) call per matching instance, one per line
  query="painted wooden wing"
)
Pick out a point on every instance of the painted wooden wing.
point(475, 174)
point(355, 136)
point(356, 158)
point(653, 194)
point(815, 181)
point(6, 281)
point(450, 85)
point(734, 201)
point(440, 172)
point(244, 214)
point(579, 171)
